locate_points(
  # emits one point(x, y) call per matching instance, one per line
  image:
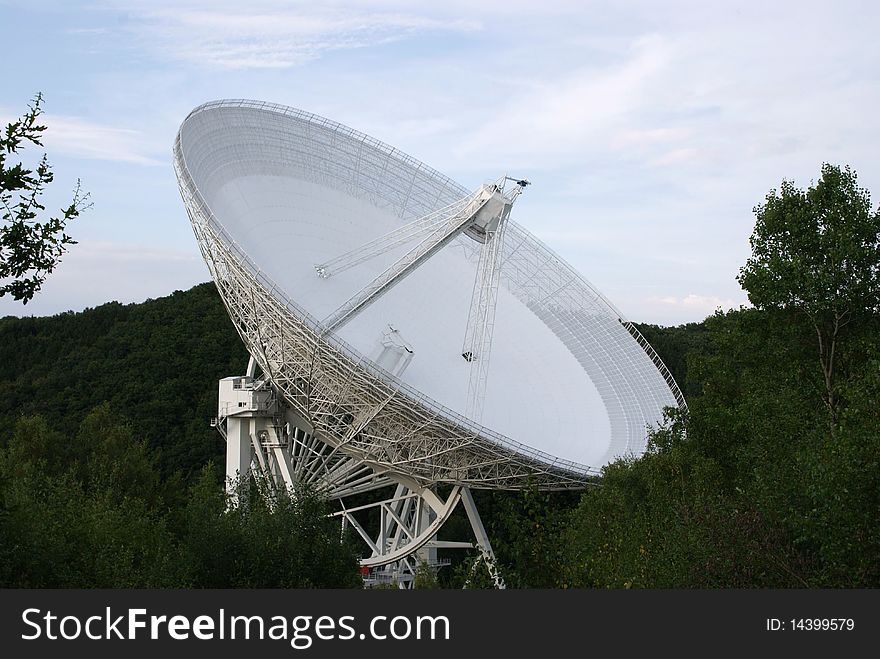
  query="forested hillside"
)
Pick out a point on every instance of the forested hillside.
point(760, 492)
point(108, 473)
point(758, 485)
point(108, 410)
point(156, 364)
point(771, 479)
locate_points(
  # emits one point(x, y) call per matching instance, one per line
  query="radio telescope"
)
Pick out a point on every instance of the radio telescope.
point(371, 292)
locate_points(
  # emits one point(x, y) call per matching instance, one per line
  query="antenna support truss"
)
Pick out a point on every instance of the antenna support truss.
point(482, 215)
point(283, 452)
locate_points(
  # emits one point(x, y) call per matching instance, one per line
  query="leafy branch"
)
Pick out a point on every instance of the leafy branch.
point(30, 248)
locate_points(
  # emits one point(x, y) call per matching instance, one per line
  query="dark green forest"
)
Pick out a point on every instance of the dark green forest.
point(771, 479)
point(109, 471)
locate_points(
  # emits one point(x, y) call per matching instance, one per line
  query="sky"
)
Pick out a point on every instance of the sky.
point(649, 130)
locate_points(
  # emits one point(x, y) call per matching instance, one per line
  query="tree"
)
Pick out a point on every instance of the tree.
point(526, 528)
point(425, 577)
point(30, 249)
point(90, 511)
point(817, 252)
point(71, 519)
point(286, 542)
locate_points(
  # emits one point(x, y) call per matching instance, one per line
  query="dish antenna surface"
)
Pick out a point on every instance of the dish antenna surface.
point(404, 331)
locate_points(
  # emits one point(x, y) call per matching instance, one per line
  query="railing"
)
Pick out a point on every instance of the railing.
point(664, 371)
point(252, 406)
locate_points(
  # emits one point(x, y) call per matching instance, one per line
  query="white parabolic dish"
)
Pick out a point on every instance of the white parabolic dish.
point(272, 191)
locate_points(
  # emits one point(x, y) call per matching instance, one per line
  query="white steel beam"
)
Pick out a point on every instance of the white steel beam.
point(400, 236)
point(482, 537)
point(477, 345)
point(314, 383)
point(439, 237)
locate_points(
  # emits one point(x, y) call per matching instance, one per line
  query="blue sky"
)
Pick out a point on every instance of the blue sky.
point(650, 130)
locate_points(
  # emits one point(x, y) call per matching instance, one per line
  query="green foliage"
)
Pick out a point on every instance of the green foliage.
point(817, 252)
point(425, 577)
point(283, 541)
point(667, 520)
point(106, 425)
point(757, 486)
point(71, 516)
point(527, 529)
point(675, 345)
point(156, 363)
point(92, 512)
point(751, 488)
point(469, 573)
point(772, 478)
point(29, 248)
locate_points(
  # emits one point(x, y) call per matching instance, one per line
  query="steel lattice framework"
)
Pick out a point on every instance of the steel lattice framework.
point(343, 398)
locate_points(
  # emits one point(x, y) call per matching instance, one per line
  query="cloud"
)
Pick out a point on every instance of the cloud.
point(649, 130)
point(88, 31)
point(114, 252)
point(641, 136)
point(585, 108)
point(85, 139)
point(675, 156)
point(94, 273)
point(698, 303)
point(81, 138)
point(674, 309)
point(225, 35)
